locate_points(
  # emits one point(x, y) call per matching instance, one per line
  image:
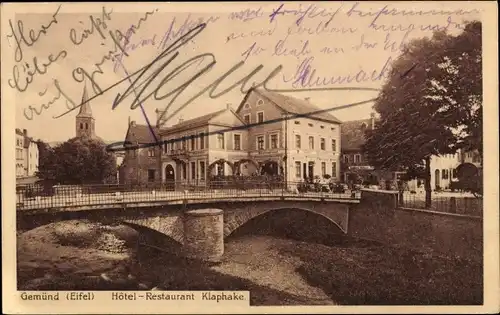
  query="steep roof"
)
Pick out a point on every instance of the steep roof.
point(353, 134)
point(191, 123)
point(141, 134)
point(298, 106)
point(85, 110)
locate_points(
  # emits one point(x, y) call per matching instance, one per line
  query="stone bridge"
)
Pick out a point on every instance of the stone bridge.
point(376, 216)
point(236, 214)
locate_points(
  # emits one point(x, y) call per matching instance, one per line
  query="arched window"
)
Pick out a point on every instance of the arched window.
point(81, 125)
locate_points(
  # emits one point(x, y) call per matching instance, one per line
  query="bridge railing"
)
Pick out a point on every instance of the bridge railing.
point(39, 197)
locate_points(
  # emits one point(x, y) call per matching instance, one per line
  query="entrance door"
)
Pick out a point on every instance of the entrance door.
point(311, 170)
point(170, 177)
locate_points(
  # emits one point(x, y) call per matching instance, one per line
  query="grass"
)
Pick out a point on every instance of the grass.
point(377, 275)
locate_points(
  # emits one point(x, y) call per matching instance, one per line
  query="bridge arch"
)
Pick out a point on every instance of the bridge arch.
point(235, 220)
point(171, 227)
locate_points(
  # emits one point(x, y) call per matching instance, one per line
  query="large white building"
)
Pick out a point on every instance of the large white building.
point(268, 133)
point(26, 154)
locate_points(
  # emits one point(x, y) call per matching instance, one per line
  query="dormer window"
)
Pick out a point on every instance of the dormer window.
point(247, 106)
point(260, 102)
point(310, 125)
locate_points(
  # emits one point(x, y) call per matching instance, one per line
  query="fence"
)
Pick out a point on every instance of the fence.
point(450, 204)
point(40, 197)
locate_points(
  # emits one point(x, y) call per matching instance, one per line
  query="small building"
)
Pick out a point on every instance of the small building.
point(140, 166)
point(27, 158)
point(355, 166)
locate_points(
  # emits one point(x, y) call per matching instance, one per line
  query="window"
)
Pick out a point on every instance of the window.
point(454, 173)
point(220, 141)
point(247, 119)
point(444, 174)
point(322, 144)
point(333, 128)
point(311, 143)
point(202, 141)
point(193, 143)
point(334, 169)
point(323, 168)
point(237, 142)
point(260, 143)
point(297, 141)
point(184, 171)
point(151, 175)
point(165, 147)
point(357, 158)
point(346, 158)
point(310, 125)
point(247, 105)
point(184, 144)
point(86, 126)
point(322, 127)
point(151, 152)
point(202, 170)
point(297, 122)
point(297, 169)
point(193, 170)
point(260, 102)
point(274, 141)
point(334, 145)
point(260, 117)
point(81, 125)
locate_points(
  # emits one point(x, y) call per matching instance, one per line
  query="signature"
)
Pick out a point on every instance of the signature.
point(127, 145)
point(142, 80)
point(32, 37)
point(79, 74)
point(23, 75)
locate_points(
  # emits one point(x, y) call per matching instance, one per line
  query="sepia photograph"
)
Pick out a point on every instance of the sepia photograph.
point(308, 153)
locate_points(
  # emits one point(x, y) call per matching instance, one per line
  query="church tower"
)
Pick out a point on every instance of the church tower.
point(85, 122)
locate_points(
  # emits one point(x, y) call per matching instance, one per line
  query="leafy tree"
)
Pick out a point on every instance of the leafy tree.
point(77, 161)
point(430, 105)
point(46, 169)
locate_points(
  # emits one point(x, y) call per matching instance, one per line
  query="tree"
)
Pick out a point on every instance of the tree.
point(430, 105)
point(78, 161)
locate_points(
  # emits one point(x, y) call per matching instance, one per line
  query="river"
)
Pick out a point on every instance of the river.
point(307, 264)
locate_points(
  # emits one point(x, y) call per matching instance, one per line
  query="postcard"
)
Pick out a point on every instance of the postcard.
point(250, 157)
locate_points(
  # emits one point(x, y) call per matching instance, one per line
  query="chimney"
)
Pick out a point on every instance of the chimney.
point(228, 106)
point(372, 120)
point(25, 132)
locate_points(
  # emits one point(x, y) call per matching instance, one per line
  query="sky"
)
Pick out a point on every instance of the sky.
point(358, 43)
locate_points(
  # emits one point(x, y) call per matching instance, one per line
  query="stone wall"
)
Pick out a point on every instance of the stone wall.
point(377, 218)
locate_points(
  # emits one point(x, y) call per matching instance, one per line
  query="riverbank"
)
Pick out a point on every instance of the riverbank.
point(276, 270)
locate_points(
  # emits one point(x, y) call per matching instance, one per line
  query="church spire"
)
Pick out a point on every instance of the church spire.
point(85, 110)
